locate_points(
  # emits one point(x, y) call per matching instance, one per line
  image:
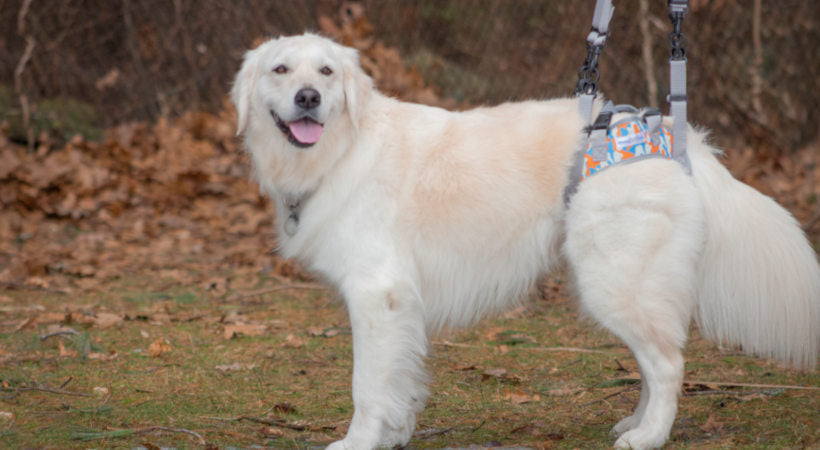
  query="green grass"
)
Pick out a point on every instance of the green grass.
point(288, 385)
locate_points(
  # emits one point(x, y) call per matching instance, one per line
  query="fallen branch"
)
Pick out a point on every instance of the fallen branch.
point(95, 435)
point(537, 349)
point(44, 389)
point(275, 422)
point(65, 332)
point(743, 385)
point(23, 287)
point(734, 393)
point(752, 385)
point(431, 432)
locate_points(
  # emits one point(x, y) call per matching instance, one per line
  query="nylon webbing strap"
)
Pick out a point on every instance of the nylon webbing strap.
point(600, 22)
point(677, 80)
point(587, 88)
point(677, 106)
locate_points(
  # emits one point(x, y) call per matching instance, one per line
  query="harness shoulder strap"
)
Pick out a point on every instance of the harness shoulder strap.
point(677, 81)
point(587, 88)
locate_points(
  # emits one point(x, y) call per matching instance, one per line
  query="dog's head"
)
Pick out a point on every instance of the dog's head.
point(300, 84)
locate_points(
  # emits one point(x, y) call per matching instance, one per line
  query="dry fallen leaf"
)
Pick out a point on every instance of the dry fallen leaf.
point(27, 323)
point(494, 373)
point(711, 426)
point(518, 397)
point(158, 347)
point(97, 356)
point(64, 351)
point(248, 329)
point(273, 432)
point(293, 341)
point(101, 391)
point(563, 391)
point(106, 319)
point(234, 367)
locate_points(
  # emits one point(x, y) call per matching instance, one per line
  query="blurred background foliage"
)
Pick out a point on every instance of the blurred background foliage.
point(117, 141)
point(82, 65)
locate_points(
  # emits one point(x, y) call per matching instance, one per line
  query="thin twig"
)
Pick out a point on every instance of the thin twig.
point(615, 394)
point(172, 430)
point(95, 435)
point(537, 349)
point(430, 432)
point(735, 393)
point(59, 333)
point(23, 287)
point(44, 389)
point(744, 385)
point(275, 422)
point(283, 287)
point(752, 385)
point(65, 383)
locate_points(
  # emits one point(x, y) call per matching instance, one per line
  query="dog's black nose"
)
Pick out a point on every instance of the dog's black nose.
point(308, 98)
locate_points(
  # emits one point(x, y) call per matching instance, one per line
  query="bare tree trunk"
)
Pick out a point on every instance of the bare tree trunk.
point(648, 60)
point(18, 72)
point(757, 67)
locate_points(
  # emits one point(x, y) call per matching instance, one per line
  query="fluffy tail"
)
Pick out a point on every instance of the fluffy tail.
point(759, 277)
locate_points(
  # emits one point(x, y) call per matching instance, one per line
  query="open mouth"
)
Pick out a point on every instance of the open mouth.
point(303, 132)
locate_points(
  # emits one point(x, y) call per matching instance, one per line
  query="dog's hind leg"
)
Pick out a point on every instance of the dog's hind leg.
point(389, 345)
point(628, 423)
point(633, 237)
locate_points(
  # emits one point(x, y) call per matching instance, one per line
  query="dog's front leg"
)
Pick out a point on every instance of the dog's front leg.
point(389, 381)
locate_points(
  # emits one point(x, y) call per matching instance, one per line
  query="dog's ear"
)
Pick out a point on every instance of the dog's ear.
point(357, 86)
point(243, 87)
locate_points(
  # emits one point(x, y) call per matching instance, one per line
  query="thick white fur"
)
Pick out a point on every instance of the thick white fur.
point(424, 218)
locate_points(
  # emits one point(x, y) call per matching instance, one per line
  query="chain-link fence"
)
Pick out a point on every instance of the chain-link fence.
point(753, 65)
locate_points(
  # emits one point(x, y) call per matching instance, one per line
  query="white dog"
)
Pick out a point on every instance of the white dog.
point(424, 218)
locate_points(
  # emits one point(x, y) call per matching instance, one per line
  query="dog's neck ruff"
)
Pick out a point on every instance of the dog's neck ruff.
point(295, 203)
point(634, 138)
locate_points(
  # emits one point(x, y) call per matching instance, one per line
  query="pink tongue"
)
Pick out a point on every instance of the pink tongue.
point(306, 131)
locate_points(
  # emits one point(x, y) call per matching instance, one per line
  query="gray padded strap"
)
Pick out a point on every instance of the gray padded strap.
point(677, 108)
point(585, 102)
point(596, 38)
point(599, 131)
point(600, 22)
point(597, 137)
point(653, 119)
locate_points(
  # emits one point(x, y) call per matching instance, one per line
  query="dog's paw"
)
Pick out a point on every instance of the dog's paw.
point(639, 439)
point(338, 445)
point(626, 424)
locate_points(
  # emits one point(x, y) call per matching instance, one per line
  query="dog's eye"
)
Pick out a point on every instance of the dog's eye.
point(280, 69)
point(326, 70)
